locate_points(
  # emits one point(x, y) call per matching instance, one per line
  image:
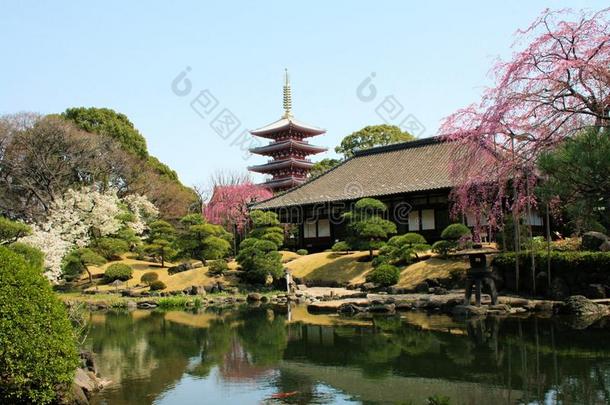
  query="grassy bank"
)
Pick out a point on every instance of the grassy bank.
point(328, 268)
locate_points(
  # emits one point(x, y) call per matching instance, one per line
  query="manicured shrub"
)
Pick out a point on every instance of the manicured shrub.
point(384, 274)
point(455, 232)
point(266, 226)
point(259, 259)
point(341, 246)
point(118, 271)
point(157, 285)
point(149, 277)
point(410, 239)
point(38, 352)
point(403, 248)
point(302, 252)
point(33, 256)
point(218, 267)
point(381, 258)
point(367, 226)
point(442, 247)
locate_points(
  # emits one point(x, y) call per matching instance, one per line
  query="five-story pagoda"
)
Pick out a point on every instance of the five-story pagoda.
point(289, 165)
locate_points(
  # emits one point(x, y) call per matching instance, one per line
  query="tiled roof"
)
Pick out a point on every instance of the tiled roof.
point(419, 165)
point(288, 144)
point(280, 164)
point(285, 123)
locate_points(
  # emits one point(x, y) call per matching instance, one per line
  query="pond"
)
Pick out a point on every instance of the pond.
point(253, 355)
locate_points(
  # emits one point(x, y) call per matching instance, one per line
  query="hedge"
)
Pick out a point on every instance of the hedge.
point(577, 269)
point(561, 262)
point(38, 354)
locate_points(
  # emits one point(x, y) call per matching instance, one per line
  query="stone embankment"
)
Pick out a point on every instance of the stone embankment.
point(198, 296)
point(453, 303)
point(350, 302)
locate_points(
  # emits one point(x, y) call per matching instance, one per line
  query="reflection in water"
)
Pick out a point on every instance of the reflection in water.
point(254, 355)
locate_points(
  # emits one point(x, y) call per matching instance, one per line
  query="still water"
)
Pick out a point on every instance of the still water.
point(262, 355)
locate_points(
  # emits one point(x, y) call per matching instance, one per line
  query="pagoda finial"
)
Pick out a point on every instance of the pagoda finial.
point(287, 96)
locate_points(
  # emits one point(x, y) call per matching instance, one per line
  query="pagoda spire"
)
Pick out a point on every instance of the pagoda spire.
point(287, 96)
point(288, 150)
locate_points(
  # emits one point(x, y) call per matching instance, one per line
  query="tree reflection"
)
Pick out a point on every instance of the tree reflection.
point(526, 360)
point(216, 344)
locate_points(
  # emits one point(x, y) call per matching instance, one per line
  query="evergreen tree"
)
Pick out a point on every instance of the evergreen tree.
point(367, 225)
point(203, 241)
point(258, 255)
point(161, 241)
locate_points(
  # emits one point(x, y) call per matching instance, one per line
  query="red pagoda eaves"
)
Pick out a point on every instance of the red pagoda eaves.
point(289, 165)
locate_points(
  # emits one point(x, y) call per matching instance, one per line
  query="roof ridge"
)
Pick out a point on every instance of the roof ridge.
point(376, 150)
point(401, 145)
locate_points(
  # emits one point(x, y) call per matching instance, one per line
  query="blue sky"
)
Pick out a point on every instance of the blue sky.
point(432, 57)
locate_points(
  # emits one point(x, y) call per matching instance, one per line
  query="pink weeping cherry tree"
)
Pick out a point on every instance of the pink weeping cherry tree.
point(228, 205)
point(556, 83)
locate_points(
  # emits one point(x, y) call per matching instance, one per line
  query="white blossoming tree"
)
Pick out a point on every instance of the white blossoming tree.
point(142, 210)
point(82, 214)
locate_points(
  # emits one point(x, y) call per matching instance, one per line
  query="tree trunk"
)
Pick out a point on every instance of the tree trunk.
point(89, 274)
point(531, 237)
point(371, 249)
point(162, 260)
point(548, 248)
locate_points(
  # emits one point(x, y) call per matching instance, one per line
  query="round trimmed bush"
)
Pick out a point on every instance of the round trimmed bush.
point(118, 271)
point(218, 267)
point(384, 274)
point(302, 252)
point(410, 238)
point(341, 246)
point(413, 238)
point(157, 285)
point(38, 352)
point(455, 232)
point(442, 247)
point(149, 277)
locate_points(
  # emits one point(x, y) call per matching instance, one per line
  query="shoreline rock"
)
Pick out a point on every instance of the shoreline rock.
point(578, 305)
point(341, 301)
point(86, 381)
